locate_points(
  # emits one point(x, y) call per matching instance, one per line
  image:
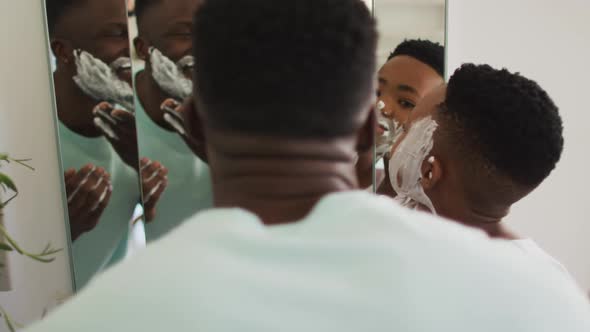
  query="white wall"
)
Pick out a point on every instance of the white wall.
point(548, 41)
point(27, 130)
point(408, 19)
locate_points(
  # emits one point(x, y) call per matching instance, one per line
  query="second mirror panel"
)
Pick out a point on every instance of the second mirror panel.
point(176, 183)
point(92, 79)
point(411, 60)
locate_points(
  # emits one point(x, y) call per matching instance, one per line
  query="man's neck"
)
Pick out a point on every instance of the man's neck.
point(151, 98)
point(74, 108)
point(280, 180)
point(489, 221)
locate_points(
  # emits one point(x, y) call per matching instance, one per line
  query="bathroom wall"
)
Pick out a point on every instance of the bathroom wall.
point(547, 41)
point(27, 130)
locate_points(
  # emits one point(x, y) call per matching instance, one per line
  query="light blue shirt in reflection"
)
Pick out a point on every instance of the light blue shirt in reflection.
point(106, 244)
point(189, 183)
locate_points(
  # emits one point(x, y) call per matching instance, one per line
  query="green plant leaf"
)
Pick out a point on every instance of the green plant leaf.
point(4, 179)
point(5, 247)
point(41, 260)
point(9, 324)
point(3, 156)
point(7, 320)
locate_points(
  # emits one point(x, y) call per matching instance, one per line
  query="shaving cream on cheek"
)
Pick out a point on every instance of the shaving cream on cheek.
point(392, 131)
point(170, 76)
point(100, 81)
point(406, 163)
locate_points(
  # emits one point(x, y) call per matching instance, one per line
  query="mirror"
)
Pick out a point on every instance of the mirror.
point(411, 61)
point(92, 77)
point(177, 183)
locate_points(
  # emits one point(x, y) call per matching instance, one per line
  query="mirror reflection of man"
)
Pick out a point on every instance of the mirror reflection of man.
point(93, 87)
point(164, 43)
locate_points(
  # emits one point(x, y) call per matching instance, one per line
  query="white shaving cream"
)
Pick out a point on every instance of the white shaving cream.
point(406, 164)
point(106, 128)
point(81, 184)
point(100, 81)
point(393, 131)
point(101, 199)
point(169, 75)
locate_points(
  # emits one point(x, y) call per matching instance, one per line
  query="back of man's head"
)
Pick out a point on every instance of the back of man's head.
point(295, 69)
point(506, 131)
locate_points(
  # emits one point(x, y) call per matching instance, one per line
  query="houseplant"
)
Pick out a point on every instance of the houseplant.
point(7, 243)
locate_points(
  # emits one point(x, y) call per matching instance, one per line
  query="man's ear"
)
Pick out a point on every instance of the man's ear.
point(432, 172)
point(63, 52)
point(366, 134)
point(142, 48)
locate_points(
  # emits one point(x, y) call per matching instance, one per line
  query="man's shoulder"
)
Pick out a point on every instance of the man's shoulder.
point(415, 270)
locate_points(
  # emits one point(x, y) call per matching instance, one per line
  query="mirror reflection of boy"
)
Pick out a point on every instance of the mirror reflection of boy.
point(413, 69)
point(94, 100)
point(164, 43)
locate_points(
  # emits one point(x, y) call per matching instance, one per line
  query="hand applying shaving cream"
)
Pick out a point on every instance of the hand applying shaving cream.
point(170, 76)
point(186, 122)
point(118, 126)
point(154, 180)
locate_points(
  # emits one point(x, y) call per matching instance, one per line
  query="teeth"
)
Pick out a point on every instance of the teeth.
point(122, 63)
point(186, 62)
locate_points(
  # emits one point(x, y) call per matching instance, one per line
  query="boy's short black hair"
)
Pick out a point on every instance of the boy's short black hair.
point(295, 68)
point(425, 51)
point(506, 122)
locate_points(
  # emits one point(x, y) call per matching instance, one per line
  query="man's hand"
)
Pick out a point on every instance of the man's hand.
point(118, 126)
point(88, 192)
point(154, 179)
point(186, 122)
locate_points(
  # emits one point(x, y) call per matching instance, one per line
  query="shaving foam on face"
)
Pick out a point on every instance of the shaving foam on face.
point(392, 132)
point(169, 75)
point(100, 81)
point(406, 164)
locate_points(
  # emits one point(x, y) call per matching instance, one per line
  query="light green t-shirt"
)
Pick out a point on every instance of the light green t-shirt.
point(105, 244)
point(357, 263)
point(189, 181)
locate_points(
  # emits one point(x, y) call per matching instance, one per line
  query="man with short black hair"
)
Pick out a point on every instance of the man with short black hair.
point(496, 136)
point(292, 246)
point(101, 185)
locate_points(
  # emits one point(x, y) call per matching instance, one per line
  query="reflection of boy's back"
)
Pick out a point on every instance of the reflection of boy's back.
point(189, 184)
point(95, 250)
